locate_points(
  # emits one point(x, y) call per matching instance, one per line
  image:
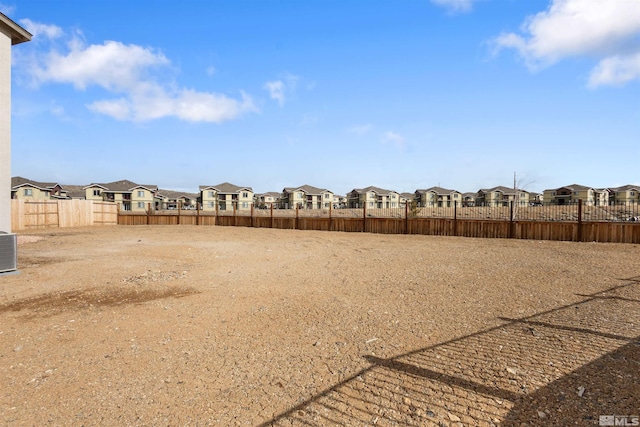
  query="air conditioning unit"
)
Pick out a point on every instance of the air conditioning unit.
point(8, 252)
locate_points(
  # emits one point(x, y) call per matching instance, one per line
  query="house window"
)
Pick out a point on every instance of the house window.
point(633, 193)
point(140, 193)
point(210, 204)
point(370, 204)
point(245, 195)
point(140, 205)
point(245, 205)
point(393, 196)
point(28, 192)
point(455, 196)
point(96, 192)
point(211, 195)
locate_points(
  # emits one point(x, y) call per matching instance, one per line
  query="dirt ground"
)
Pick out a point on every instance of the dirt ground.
point(186, 325)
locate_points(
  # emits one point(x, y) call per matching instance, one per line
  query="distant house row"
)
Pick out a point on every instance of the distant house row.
point(226, 196)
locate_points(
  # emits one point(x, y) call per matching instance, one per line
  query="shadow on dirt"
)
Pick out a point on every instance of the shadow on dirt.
point(54, 303)
point(565, 366)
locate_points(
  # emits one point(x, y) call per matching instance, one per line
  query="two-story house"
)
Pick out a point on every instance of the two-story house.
point(373, 197)
point(502, 196)
point(407, 199)
point(306, 197)
point(627, 194)
point(226, 197)
point(23, 188)
point(266, 200)
point(438, 197)
point(129, 195)
point(170, 199)
point(570, 194)
point(469, 199)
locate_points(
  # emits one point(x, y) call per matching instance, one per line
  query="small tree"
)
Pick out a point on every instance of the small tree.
point(414, 210)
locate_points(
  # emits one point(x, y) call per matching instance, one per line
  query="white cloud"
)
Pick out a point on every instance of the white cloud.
point(394, 138)
point(133, 73)
point(38, 30)
point(112, 66)
point(276, 90)
point(280, 89)
point(186, 104)
point(605, 30)
point(616, 70)
point(455, 5)
point(6, 9)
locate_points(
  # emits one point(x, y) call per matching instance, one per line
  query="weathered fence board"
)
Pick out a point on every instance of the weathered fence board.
point(615, 232)
point(32, 214)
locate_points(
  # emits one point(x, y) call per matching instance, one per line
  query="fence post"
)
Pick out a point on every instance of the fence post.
point(148, 213)
point(252, 214)
point(579, 220)
point(235, 218)
point(216, 221)
point(364, 216)
point(297, 208)
point(179, 209)
point(330, 208)
point(511, 224)
point(271, 215)
point(406, 217)
point(455, 217)
point(197, 213)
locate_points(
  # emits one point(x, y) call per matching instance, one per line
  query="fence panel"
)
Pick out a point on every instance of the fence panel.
point(538, 230)
point(558, 222)
point(33, 214)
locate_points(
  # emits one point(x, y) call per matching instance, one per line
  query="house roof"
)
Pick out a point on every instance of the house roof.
point(225, 187)
point(269, 194)
point(408, 195)
point(13, 30)
point(171, 194)
point(376, 190)
point(627, 188)
point(75, 191)
point(18, 181)
point(122, 186)
point(576, 187)
point(309, 189)
point(503, 189)
point(437, 190)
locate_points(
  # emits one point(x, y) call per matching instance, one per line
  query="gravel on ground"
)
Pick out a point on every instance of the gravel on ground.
point(187, 325)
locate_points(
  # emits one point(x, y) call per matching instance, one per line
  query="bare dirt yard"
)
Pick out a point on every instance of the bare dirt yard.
point(186, 325)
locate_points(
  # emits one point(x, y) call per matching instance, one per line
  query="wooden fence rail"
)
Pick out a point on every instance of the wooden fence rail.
point(613, 232)
point(32, 214)
point(28, 215)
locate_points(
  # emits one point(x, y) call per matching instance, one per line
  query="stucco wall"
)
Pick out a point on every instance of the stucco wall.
point(5, 133)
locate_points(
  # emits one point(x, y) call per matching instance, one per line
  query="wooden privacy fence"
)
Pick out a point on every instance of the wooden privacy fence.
point(577, 231)
point(33, 214)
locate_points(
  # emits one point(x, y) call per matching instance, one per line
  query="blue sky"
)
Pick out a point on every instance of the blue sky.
point(336, 94)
